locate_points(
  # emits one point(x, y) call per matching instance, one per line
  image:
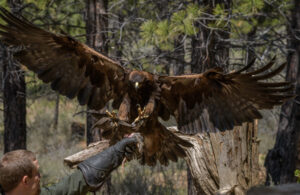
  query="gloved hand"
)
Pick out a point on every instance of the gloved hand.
point(97, 168)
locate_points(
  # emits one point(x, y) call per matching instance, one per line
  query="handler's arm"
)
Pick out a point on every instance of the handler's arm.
point(93, 171)
point(73, 184)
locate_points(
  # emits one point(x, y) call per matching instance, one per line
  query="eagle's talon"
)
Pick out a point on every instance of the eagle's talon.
point(141, 115)
point(112, 114)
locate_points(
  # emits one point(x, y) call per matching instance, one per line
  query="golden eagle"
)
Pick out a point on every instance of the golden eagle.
point(210, 101)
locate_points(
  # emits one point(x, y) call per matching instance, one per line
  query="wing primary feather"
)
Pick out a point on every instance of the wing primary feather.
point(264, 68)
point(277, 90)
point(243, 69)
point(278, 84)
point(14, 21)
point(271, 74)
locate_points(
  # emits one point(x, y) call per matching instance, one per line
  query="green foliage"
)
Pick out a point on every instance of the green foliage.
point(163, 33)
point(182, 22)
point(41, 4)
point(248, 7)
point(243, 26)
point(3, 3)
point(58, 16)
point(221, 15)
point(249, 14)
point(148, 29)
point(297, 174)
point(158, 68)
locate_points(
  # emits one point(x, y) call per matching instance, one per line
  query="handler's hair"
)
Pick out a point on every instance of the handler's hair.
point(14, 166)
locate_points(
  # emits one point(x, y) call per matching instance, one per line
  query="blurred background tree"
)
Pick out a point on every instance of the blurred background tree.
point(14, 94)
point(284, 158)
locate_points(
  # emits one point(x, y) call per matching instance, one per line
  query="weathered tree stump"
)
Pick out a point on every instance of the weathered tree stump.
point(224, 162)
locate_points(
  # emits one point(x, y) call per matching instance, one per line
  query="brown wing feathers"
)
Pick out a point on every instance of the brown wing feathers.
point(72, 68)
point(217, 101)
point(263, 95)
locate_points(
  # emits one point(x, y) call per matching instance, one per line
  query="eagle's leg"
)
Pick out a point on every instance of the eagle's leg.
point(149, 108)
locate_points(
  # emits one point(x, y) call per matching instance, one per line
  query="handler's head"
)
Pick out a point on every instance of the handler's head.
point(19, 173)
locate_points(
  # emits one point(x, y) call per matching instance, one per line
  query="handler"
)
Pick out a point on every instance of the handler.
point(19, 174)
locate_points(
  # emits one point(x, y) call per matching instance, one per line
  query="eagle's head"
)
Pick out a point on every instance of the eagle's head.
point(139, 79)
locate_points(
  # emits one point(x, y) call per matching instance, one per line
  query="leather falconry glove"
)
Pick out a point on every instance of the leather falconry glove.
point(97, 168)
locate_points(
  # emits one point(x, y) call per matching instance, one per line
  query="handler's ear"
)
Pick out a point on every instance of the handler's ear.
point(25, 180)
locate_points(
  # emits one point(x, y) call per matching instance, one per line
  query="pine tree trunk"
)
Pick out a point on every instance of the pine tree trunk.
point(223, 162)
point(14, 97)
point(96, 30)
point(208, 49)
point(283, 159)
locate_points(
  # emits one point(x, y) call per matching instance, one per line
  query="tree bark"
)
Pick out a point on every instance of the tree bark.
point(97, 38)
point(96, 29)
point(208, 48)
point(222, 162)
point(283, 159)
point(93, 149)
point(14, 97)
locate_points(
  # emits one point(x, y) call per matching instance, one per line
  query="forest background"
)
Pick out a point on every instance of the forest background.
point(162, 37)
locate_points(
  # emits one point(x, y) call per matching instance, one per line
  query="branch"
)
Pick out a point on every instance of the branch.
point(91, 150)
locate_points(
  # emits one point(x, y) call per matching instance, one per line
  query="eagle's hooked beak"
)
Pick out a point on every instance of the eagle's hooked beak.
point(136, 85)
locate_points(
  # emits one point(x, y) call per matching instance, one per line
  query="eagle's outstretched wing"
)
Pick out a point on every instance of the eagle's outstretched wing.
point(214, 100)
point(72, 68)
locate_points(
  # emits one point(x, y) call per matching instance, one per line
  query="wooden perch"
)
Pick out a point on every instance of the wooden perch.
point(91, 150)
